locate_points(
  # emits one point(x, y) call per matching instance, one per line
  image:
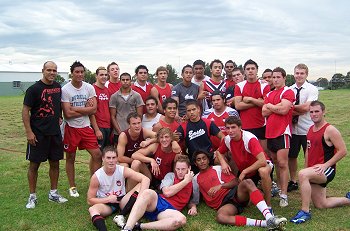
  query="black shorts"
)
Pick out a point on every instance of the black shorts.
point(106, 132)
point(231, 198)
point(330, 174)
point(114, 206)
point(258, 132)
point(47, 148)
point(278, 143)
point(296, 142)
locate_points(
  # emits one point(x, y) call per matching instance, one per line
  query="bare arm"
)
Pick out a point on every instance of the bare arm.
point(89, 109)
point(31, 138)
point(202, 93)
point(155, 94)
point(333, 136)
point(265, 111)
point(113, 112)
point(281, 108)
point(170, 191)
point(138, 177)
point(91, 194)
point(97, 130)
point(241, 105)
point(122, 141)
point(259, 163)
point(250, 100)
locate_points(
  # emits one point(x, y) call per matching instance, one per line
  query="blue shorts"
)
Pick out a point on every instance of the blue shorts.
point(162, 205)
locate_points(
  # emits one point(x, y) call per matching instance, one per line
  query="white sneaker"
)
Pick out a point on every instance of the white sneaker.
point(119, 220)
point(32, 201)
point(57, 198)
point(73, 192)
point(276, 223)
point(283, 202)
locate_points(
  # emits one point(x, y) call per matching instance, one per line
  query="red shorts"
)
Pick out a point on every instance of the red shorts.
point(82, 138)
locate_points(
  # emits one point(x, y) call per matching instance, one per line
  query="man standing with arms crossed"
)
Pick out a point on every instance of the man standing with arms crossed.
point(278, 109)
point(305, 93)
point(41, 117)
point(113, 84)
point(78, 103)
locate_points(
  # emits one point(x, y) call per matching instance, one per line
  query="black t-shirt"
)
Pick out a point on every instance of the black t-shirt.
point(197, 136)
point(45, 103)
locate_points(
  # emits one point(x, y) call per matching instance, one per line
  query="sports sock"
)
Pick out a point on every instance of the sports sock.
point(99, 222)
point(32, 195)
point(245, 221)
point(53, 191)
point(127, 208)
point(258, 200)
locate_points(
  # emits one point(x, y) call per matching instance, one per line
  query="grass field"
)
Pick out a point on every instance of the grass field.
point(73, 215)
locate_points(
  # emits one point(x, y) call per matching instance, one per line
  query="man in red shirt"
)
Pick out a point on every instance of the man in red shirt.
point(161, 90)
point(278, 109)
point(141, 85)
point(229, 195)
point(164, 209)
point(325, 148)
point(113, 84)
point(101, 120)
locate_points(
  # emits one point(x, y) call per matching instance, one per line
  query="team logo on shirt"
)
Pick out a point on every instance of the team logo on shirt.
point(119, 183)
point(187, 96)
point(159, 160)
point(103, 96)
point(308, 144)
point(192, 135)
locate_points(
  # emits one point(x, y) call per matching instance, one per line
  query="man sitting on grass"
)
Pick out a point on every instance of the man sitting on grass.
point(228, 195)
point(107, 191)
point(325, 147)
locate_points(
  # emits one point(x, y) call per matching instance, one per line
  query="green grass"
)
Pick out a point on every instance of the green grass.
point(73, 215)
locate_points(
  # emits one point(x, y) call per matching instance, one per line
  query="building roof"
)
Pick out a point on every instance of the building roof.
point(31, 68)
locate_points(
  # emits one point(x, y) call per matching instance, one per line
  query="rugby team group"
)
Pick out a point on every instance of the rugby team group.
point(231, 140)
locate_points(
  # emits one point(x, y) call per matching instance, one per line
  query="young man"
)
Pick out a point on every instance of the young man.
point(113, 84)
point(215, 83)
point(185, 90)
point(325, 148)
point(161, 90)
point(247, 154)
point(164, 210)
point(151, 117)
point(267, 76)
point(122, 103)
point(141, 85)
point(41, 119)
point(237, 76)
point(107, 192)
point(230, 81)
point(305, 93)
point(196, 131)
point(218, 113)
point(156, 160)
point(169, 119)
point(249, 99)
point(132, 139)
point(78, 103)
point(278, 109)
point(101, 121)
point(198, 69)
point(228, 195)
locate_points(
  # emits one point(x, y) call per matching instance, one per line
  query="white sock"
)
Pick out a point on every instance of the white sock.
point(32, 195)
point(53, 191)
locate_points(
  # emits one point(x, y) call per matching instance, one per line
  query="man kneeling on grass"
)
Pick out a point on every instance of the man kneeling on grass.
point(229, 195)
point(164, 210)
point(107, 192)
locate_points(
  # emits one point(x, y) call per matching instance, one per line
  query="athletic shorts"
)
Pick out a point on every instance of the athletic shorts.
point(278, 143)
point(231, 198)
point(82, 138)
point(114, 206)
point(47, 148)
point(330, 174)
point(106, 132)
point(296, 142)
point(162, 205)
point(258, 132)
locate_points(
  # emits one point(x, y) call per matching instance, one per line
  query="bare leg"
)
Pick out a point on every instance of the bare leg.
point(293, 167)
point(266, 183)
point(167, 220)
point(95, 160)
point(282, 159)
point(54, 173)
point(321, 201)
point(226, 214)
point(32, 176)
point(70, 169)
point(138, 166)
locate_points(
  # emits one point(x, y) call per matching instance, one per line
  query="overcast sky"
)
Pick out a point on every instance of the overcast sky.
point(154, 33)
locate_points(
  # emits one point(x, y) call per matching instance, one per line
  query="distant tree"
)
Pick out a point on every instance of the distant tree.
point(173, 77)
point(321, 82)
point(290, 80)
point(90, 77)
point(207, 69)
point(337, 81)
point(152, 78)
point(59, 79)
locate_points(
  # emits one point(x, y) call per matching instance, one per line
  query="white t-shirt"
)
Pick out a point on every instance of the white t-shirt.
point(148, 123)
point(108, 185)
point(77, 97)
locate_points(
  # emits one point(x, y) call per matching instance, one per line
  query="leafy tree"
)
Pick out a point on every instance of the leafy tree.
point(173, 77)
point(59, 79)
point(290, 80)
point(90, 77)
point(337, 81)
point(322, 82)
point(207, 69)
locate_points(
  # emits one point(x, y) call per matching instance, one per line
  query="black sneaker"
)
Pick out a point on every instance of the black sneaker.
point(292, 186)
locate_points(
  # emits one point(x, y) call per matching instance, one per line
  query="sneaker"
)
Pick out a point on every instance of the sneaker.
point(271, 211)
point(57, 198)
point(276, 223)
point(73, 192)
point(137, 226)
point(283, 201)
point(292, 186)
point(275, 191)
point(348, 195)
point(301, 217)
point(119, 220)
point(32, 201)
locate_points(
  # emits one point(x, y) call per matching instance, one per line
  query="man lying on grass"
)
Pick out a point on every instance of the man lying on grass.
point(107, 193)
point(228, 195)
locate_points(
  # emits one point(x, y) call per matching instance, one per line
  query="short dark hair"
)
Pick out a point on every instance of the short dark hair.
point(216, 61)
point(132, 115)
point(167, 101)
point(192, 102)
point(112, 63)
point(233, 120)
point(316, 103)
point(125, 74)
point(186, 66)
point(230, 61)
point(250, 62)
point(109, 148)
point(217, 92)
point(140, 67)
point(281, 70)
point(199, 62)
point(267, 70)
point(99, 69)
point(201, 151)
point(238, 69)
point(76, 64)
point(151, 97)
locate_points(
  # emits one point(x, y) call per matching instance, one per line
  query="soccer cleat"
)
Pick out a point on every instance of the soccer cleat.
point(283, 201)
point(301, 217)
point(32, 201)
point(276, 223)
point(348, 195)
point(57, 198)
point(275, 191)
point(73, 192)
point(119, 220)
point(292, 186)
